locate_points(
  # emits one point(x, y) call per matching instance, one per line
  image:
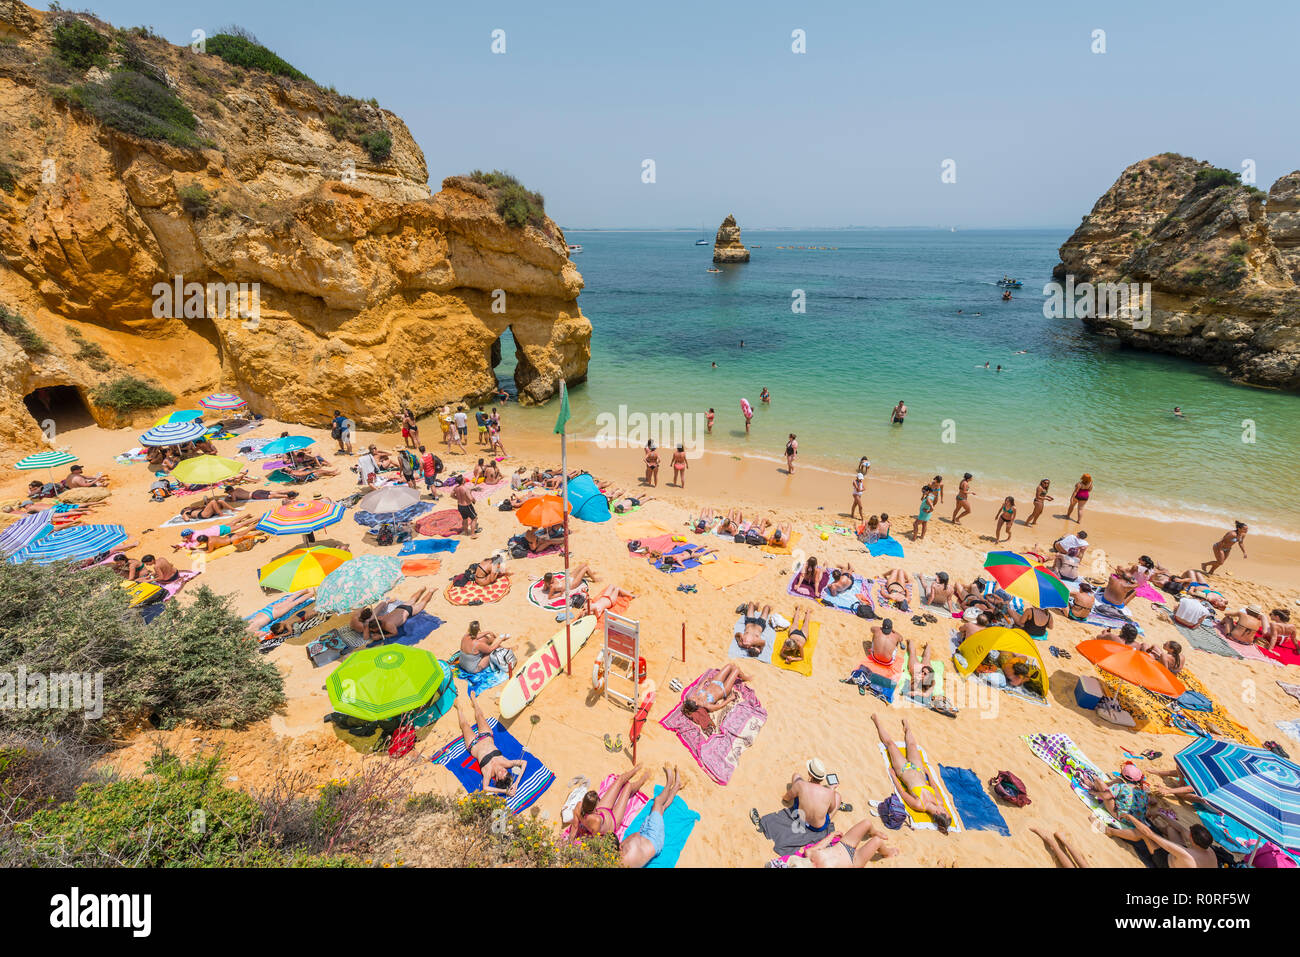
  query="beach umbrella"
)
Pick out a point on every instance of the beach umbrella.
point(222, 402)
point(206, 470)
point(77, 542)
point(44, 460)
point(543, 511)
point(300, 517)
point(26, 530)
point(378, 683)
point(1027, 580)
point(182, 415)
point(390, 498)
point(173, 433)
point(1257, 787)
point(1127, 662)
point(290, 443)
point(302, 568)
point(365, 579)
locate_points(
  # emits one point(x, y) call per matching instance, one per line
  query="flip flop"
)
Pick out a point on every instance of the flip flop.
point(674, 685)
point(618, 743)
point(609, 745)
point(755, 818)
point(846, 808)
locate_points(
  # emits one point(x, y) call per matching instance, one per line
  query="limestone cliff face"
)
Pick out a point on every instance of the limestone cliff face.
point(1223, 264)
point(370, 293)
point(727, 247)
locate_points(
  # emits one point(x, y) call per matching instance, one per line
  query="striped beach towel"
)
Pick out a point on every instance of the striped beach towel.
point(532, 783)
point(25, 531)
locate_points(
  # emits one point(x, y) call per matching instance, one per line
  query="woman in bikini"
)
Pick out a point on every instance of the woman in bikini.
point(679, 467)
point(476, 648)
point(1034, 621)
point(607, 599)
point(895, 588)
point(261, 619)
point(792, 647)
point(1006, 519)
point(718, 691)
point(651, 464)
point(859, 484)
point(911, 779)
point(602, 815)
point(963, 494)
point(920, 671)
point(495, 766)
point(1040, 499)
point(780, 533)
point(809, 576)
point(1170, 655)
point(1223, 547)
point(1079, 497)
point(1280, 628)
point(750, 638)
point(235, 494)
point(730, 525)
point(387, 617)
point(212, 507)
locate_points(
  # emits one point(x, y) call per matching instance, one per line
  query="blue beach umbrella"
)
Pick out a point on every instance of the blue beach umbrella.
point(25, 531)
point(77, 542)
point(365, 579)
point(181, 415)
point(173, 433)
point(290, 443)
point(1257, 787)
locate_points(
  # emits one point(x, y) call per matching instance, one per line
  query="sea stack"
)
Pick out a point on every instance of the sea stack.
point(727, 248)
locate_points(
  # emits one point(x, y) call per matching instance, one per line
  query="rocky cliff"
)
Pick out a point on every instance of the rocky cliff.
point(1222, 260)
point(128, 162)
point(727, 247)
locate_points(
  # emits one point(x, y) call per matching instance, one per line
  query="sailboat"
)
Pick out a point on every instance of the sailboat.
point(704, 237)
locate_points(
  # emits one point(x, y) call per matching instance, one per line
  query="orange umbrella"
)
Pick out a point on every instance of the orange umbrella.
point(1125, 661)
point(542, 511)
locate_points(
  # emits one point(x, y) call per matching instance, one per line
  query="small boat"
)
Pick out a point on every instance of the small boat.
point(701, 242)
point(1010, 283)
point(713, 269)
point(755, 246)
point(575, 247)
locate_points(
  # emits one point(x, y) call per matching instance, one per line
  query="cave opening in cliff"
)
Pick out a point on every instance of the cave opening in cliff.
point(64, 405)
point(502, 346)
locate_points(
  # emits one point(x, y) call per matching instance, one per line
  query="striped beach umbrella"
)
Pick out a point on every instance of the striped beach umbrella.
point(45, 460)
point(378, 683)
point(181, 415)
point(206, 470)
point(1257, 787)
point(290, 443)
point(173, 433)
point(222, 402)
point(1027, 580)
point(300, 518)
point(25, 531)
point(365, 579)
point(79, 541)
point(302, 568)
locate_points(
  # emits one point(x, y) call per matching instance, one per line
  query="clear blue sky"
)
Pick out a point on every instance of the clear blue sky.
point(852, 132)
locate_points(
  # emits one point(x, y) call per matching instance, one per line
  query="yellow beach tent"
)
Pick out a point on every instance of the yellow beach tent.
point(977, 647)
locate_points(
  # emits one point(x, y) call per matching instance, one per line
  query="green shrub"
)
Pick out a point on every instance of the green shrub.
point(129, 394)
point(378, 144)
point(1238, 247)
point(1215, 177)
point(245, 51)
point(196, 200)
point(89, 352)
point(138, 105)
point(80, 45)
point(515, 204)
point(16, 326)
point(7, 180)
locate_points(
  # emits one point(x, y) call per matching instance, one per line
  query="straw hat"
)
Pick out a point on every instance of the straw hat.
point(1255, 610)
point(816, 770)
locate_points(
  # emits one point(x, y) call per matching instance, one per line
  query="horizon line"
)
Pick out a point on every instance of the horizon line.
point(692, 229)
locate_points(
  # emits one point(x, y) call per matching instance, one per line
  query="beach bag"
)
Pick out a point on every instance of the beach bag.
point(893, 814)
point(754, 538)
point(863, 610)
point(503, 659)
point(465, 577)
point(1010, 788)
point(336, 433)
point(1194, 701)
point(518, 548)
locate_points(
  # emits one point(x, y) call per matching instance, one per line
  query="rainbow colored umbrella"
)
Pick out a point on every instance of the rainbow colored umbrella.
point(173, 433)
point(378, 683)
point(1026, 580)
point(182, 415)
point(44, 460)
point(206, 470)
point(222, 402)
point(300, 518)
point(365, 579)
point(302, 568)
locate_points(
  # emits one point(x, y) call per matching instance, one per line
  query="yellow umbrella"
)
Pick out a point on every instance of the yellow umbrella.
point(206, 470)
point(302, 568)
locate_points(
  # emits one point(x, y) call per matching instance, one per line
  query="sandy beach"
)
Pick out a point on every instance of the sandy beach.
point(807, 716)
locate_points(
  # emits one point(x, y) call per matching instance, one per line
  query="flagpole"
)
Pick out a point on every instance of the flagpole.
point(564, 497)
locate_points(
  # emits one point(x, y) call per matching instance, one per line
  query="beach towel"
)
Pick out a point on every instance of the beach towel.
point(401, 517)
point(735, 730)
point(137, 454)
point(769, 643)
point(886, 546)
point(1206, 638)
point(801, 591)
point(977, 810)
point(922, 821)
point(1150, 594)
point(1252, 652)
point(785, 549)
point(1290, 728)
point(1282, 654)
point(428, 546)
point(482, 491)
point(804, 665)
point(480, 681)
point(659, 543)
point(835, 530)
point(847, 600)
point(415, 629)
point(476, 594)
point(882, 602)
point(1292, 690)
point(178, 520)
point(679, 822)
point(682, 564)
point(1099, 617)
point(272, 464)
point(535, 593)
point(639, 530)
point(1063, 756)
point(420, 567)
point(177, 583)
point(439, 524)
point(727, 571)
point(634, 805)
point(1153, 714)
point(531, 784)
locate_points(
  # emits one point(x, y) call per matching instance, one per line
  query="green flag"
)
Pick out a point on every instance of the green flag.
point(564, 410)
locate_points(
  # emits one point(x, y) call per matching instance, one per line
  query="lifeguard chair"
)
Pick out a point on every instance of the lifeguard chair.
point(620, 659)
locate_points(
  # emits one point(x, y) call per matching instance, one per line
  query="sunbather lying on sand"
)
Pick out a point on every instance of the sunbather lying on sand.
point(496, 767)
point(1064, 855)
point(920, 671)
point(1125, 798)
point(714, 694)
point(621, 501)
point(792, 647)
point(639, 849)
point(779, 534)
point(731, 522)
point(669, 561)
point(602, 815)
point(895, 590)
point(261, 619)
point(489, 570)
point(608, 598)
point(911, 779)
point(856, 847)
point(750, 638)
point(385, 618)
point(553, 584)
point(841, 580)
point(210, 507)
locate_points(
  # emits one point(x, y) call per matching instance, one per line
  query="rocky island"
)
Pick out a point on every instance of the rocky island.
point(727, 247)
point(204, 221)
point(1222, 259)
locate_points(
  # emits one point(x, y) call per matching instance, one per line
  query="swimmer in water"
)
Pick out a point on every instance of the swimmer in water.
point(1178, 412)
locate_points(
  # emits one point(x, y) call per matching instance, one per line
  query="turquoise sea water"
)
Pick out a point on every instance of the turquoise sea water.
point(881, 324)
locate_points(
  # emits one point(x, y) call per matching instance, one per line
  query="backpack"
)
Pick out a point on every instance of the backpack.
point(384, 534)
point(893, 814)
point(465, 577)
point(863, 610)
point(1010, 788)
point(754, 538)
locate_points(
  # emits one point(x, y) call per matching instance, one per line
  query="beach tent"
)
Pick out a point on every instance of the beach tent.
point(977, 647)
point(587, 501)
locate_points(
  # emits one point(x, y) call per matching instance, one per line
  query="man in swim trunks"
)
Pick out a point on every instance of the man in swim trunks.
point(900, 412)
point(884, 643)
point(911, 780)
point(160, 570)
point(388, 616)
point(750, 637)
point(465, 505)
point(639, 848)
point(812, 800)
point(495, 767)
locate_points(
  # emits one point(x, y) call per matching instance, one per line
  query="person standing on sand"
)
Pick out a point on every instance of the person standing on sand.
point(899, 414)
point(410, 431)
point(1079, 497)
point(1040, 498)
point(679, 466)
point(791, 450)
point(923, 514)
point(963, 495)
point(1007, 518)
point(465, 505)
point(1223, 547)
point(936, 486)
point(651, 464)
point(859, 485)
point(708, 420)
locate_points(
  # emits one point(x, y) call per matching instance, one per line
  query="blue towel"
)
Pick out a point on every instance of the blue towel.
point(886, 546)
point(415, 629)
point(534, 781)
point(679, 821)
point(971, 801)
point(481, 681)
point(848, 599)
point(428, 546)
point(685, 564)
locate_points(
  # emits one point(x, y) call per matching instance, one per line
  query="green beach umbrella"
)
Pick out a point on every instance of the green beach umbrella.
point(361, 581)
point(378, 683)
point(45, 460)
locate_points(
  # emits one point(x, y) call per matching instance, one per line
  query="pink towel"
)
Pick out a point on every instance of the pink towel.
point(719, 753)
point(634, 804)
point(1150, 594)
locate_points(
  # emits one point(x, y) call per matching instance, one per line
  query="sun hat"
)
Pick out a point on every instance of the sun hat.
point(816, 770)
point(1254, 610)
point(1131, 772)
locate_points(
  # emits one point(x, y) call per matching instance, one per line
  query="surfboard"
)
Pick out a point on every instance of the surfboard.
point(537, 670)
